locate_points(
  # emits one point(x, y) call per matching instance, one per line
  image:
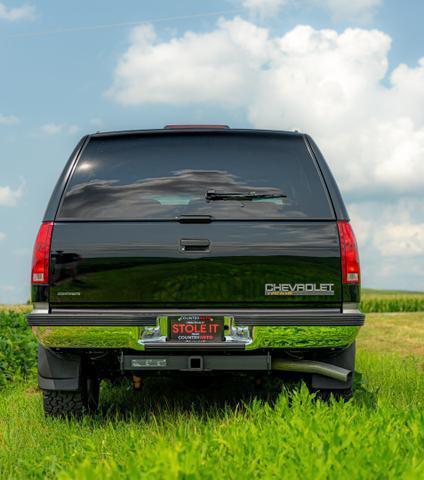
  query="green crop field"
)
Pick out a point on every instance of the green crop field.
point(391, 301)
point(232, 430)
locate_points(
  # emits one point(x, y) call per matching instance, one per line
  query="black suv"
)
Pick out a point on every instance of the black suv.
point(193, 250)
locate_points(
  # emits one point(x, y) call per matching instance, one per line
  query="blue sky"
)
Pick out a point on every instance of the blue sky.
point(347, 72)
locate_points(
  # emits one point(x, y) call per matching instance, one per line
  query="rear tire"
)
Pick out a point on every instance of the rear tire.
point(60, 403)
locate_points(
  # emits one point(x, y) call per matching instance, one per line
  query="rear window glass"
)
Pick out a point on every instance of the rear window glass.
point(165, 176)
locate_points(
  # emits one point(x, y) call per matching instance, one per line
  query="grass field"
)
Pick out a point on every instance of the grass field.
point(172, 430)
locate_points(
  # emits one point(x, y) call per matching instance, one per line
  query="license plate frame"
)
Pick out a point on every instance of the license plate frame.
point(192, 328)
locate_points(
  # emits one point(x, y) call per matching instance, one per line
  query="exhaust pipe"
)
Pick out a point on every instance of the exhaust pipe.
point(310, 366)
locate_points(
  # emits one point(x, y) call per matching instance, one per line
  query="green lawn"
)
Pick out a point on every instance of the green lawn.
point(172, 430)
point(401, 333)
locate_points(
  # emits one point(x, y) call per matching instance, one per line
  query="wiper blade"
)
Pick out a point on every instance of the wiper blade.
point(213, 195)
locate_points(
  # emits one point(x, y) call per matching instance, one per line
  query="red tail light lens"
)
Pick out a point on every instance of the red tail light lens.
point(41, 254)
point(349, 251)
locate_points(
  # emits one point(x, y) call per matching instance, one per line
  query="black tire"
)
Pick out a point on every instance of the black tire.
point(59, 403)
point(93, 394)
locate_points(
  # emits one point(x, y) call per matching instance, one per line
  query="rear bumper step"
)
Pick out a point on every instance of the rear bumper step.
point(249, 317)
point(196, 362)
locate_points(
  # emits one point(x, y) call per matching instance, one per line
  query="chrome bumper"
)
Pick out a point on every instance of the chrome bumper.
point(267, 329)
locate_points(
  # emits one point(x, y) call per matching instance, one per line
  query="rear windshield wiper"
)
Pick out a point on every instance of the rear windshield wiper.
point(213, 195)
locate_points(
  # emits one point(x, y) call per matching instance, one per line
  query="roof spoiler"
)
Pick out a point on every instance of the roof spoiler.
point(195, 127)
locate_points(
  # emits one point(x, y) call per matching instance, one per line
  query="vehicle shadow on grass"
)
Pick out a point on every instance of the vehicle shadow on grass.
point(363, 397)
point(202, 396)
point(206, 396)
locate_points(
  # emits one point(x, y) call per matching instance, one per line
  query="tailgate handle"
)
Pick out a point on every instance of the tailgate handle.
point(195, 219)
point(194, 245)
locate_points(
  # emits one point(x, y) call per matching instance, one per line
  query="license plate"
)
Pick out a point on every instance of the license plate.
point(196, 328)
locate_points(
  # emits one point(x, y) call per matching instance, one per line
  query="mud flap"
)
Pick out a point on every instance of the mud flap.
point(58, 371)
point(345, 359)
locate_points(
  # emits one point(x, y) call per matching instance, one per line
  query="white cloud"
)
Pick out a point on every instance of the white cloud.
point(391, 242)
point(404, 239)
point(360, 10)
point(7, 288)
point(264, 8)
point(96, 122)
point(394, 229)
point(56, 128)
point(2, 236)
point(10, 197)
point(52, 128)
point(72, 129)
point(22, 252)
point(8, 119)
point(351, 10)
point(179, 71)
point(326, 83)
point(24, 12)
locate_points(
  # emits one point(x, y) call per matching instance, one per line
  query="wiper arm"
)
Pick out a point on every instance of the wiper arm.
point(213, 195)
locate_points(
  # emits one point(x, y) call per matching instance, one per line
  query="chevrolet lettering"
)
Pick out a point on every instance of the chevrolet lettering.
point(299, 289)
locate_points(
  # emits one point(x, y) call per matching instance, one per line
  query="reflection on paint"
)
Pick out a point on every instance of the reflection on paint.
point(263, 337)
point(302, 337)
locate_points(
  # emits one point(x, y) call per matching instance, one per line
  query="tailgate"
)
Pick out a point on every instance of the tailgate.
point(220, 264)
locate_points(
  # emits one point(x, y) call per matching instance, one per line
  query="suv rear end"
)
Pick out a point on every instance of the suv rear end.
point(193, 250)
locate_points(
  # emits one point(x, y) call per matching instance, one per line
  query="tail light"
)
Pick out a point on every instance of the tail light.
point(349, 252)
point(41, 254)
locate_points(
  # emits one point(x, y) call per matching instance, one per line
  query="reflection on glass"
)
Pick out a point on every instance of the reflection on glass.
point(85, 166)
point(173, 195)
point(138, 177)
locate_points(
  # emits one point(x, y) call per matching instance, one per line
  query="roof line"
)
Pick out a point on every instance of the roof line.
point(176, 131)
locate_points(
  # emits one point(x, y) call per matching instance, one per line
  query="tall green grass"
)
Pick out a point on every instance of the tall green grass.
point(173, 431)
point(18, 347)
